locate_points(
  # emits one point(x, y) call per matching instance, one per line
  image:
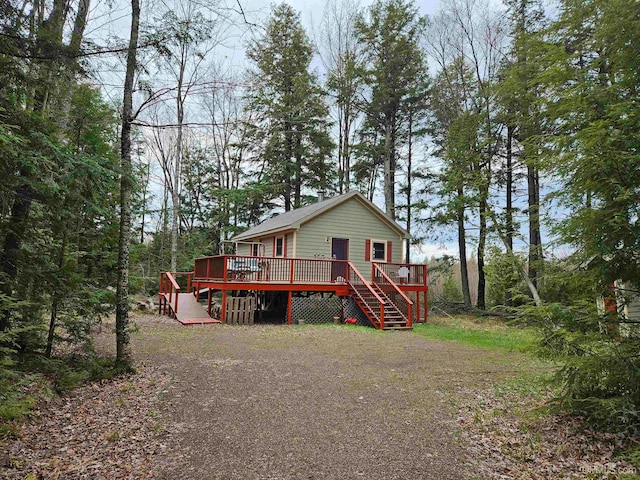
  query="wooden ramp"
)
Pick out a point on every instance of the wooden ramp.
point(190, 312)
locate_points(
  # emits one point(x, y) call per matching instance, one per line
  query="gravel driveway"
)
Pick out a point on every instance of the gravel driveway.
point(331, 402)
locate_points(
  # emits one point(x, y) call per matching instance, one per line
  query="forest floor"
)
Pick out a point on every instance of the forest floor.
point(330, 402)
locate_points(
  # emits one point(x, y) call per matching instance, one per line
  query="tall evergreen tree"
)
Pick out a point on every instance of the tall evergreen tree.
point(523, 119)
point(292, 116)
point(591, 84)
point(592, 120)
point(454, 127)
point(390, 35)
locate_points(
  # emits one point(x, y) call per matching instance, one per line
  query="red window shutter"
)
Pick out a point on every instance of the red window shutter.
point(284, 246)
point(367, 250)
point(389, 251)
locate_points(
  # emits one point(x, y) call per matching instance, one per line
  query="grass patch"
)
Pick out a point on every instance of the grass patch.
point(489, 333)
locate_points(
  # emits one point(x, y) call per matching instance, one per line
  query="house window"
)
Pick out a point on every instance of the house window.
point(378, 251)
point(279, 247)
point(255, 249)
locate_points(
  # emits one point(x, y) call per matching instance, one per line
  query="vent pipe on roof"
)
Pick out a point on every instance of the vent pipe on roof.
point(321, 195)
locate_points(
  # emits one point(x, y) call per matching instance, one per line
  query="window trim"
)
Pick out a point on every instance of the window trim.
point(275, 246)
point(384, 255)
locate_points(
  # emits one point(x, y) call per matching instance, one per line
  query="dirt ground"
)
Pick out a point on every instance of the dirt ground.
point(279, 402)
point(266, 402)
point(291, 402)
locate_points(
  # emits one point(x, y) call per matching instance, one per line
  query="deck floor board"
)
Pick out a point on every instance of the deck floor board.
point(190, 311)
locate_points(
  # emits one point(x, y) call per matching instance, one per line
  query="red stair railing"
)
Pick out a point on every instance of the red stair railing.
point(169, 286)
point(387, 285)
point(354, 277)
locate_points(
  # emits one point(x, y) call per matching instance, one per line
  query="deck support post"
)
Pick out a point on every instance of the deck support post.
point(418, 317)
point(209, 295)
point(289, 303)
point(426, 306)
point(223, 312)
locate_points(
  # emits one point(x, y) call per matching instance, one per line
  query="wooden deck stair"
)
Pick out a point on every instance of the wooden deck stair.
point(393, 319)
point(190, 311)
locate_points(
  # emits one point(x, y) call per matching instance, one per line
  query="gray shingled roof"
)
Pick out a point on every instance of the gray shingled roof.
point(293, 218)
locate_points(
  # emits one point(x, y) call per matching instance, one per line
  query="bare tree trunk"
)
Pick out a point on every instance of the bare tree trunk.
point(462, 249)
point(123, 346)
point(177, 177)
point(535, 241)
point(482, 240)
point(389, 171)
point(56, 299)
point(410, 142)
point(346, 169)
point(509, 187)
point(298, 178)
point(509, 200)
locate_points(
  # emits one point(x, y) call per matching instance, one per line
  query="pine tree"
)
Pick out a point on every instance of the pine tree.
point(591, 84)
point(396, 69)
point(292, 116)
point(523, 117)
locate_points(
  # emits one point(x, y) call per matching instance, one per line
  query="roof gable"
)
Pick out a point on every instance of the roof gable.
point(293, 219)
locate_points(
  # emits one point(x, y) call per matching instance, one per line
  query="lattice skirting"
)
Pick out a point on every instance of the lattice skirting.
point(316, 309)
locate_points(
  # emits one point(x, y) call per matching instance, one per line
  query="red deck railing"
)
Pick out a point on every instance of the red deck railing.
point(169, 290)
point(391, 290)
point(239, 268)
point(412, 274)
point(355, 278)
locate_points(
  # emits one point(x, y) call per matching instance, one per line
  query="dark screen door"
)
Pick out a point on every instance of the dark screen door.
point(339, 251)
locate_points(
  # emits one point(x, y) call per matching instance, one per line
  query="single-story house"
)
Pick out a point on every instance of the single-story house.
point(345, 227)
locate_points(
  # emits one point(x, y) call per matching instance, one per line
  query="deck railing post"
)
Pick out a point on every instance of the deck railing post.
point(381, 316)
point(291, 270)
point(224, 268)
point(410, 316)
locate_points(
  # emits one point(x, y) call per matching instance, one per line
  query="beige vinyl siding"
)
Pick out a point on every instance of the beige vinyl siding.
point(350, 220)
point(289, 245)
point(243, 249)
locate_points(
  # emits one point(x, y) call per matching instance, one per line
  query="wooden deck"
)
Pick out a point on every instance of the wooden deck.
point(237, 273)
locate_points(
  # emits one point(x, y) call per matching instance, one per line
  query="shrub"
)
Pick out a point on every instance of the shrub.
point(600, 371)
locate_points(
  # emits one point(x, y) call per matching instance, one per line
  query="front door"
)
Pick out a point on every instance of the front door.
point(339, 251)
